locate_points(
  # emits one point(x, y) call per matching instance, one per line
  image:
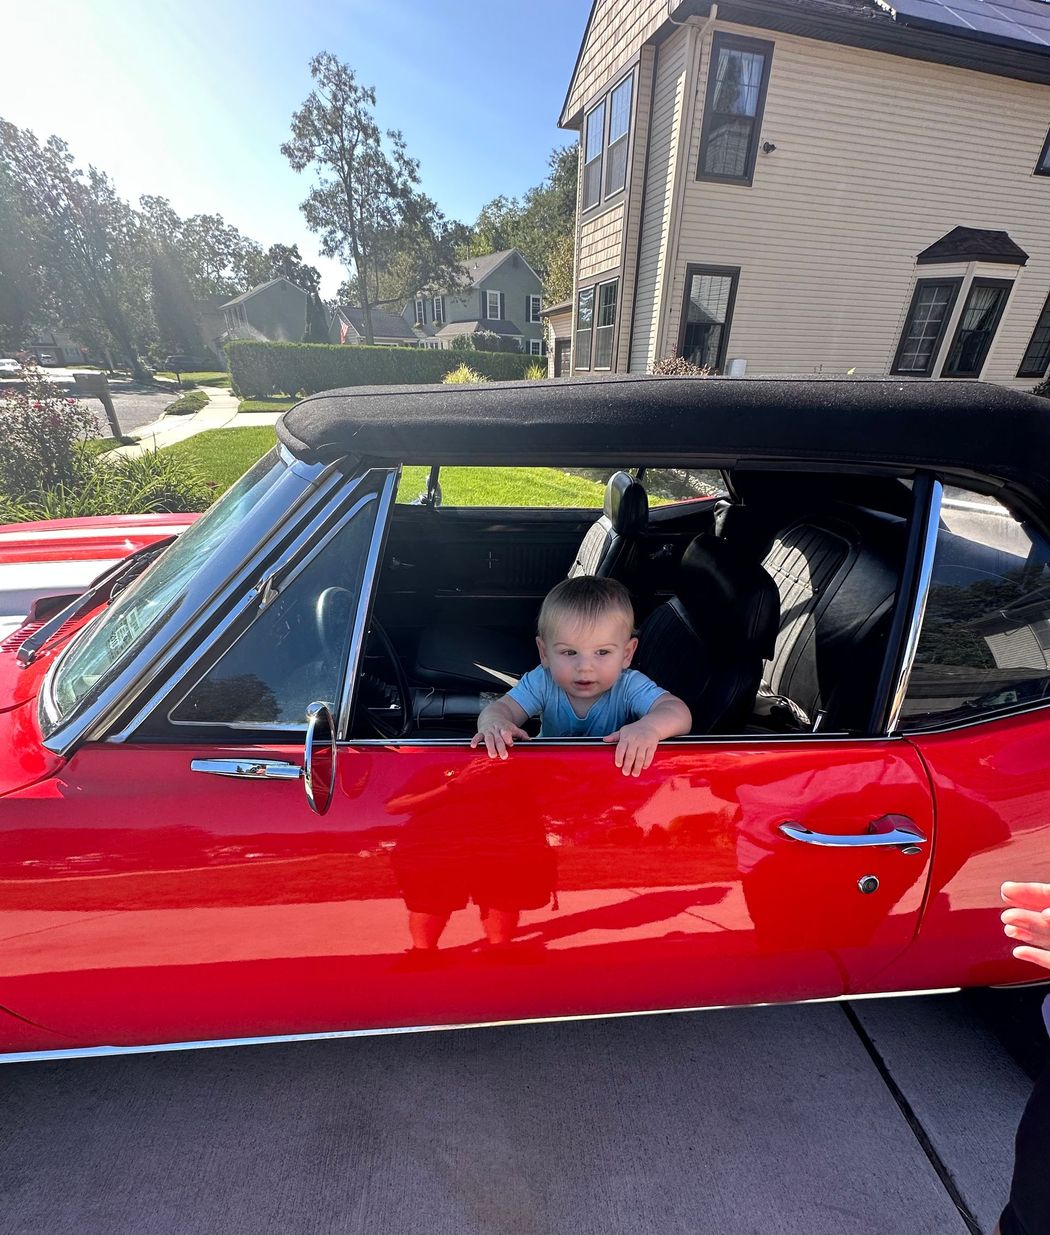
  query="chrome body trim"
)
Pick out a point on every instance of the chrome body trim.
point(364, 602)
point(248, 769)
point(922, 594)
point(95, 1052)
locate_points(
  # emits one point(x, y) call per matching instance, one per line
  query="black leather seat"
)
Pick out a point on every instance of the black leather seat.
point(480, 658)
point(707, 643)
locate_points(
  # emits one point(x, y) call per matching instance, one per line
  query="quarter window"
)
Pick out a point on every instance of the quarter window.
point(710, 292)
point(985, 640)
point(976, 329)
point(931, 306)
point(584, 322)
point(619, 126)
point(603, 327)
point(594, 136)
point(1036, 359)
point(736, 94)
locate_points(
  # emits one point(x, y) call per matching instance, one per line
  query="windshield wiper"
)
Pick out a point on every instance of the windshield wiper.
point(105, 585)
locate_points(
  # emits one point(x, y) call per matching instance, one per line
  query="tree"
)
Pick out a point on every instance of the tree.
point(365, 202)
point(88, 236)
point(26, 294)
point(285, 260)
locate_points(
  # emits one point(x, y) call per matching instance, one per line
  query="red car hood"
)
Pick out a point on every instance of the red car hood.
point(59, 558)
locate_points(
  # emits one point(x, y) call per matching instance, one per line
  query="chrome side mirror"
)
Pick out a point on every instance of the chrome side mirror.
point(319, 757)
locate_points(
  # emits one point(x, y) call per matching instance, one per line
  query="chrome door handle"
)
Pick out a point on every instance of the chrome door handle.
point(887, 832)
point(248, 769)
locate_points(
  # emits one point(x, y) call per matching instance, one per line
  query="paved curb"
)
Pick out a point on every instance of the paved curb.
point(220, 413)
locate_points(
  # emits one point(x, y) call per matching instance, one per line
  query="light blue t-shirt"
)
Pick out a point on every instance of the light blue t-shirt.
point(632, 695)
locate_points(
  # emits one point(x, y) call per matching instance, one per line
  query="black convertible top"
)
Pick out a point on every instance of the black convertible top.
point(970, 428)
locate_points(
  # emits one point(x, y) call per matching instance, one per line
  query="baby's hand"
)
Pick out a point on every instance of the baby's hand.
point(498, 736)
point(636, 744)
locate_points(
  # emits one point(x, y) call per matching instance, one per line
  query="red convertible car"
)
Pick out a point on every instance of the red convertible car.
point(236, 774)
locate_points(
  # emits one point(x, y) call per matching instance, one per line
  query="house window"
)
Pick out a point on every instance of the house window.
point(931, 307)
point(438, 309)
point(736, 95)
point(984, 306)
point(710, 292)
point(535, 347)
point(584, 315)
point(619, 124)
point(1036, 359)
point(594, 135)
point(492, 312)
point(1042, 168)
point(532, 308)
point(605, 319)
point(421, 312)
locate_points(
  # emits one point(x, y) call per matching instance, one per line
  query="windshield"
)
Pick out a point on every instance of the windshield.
point(136, 611)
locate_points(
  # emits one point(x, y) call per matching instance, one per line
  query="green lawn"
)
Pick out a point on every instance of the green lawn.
point(223, 455)
point(191, 401)
point(265, 405)
point(206, 377)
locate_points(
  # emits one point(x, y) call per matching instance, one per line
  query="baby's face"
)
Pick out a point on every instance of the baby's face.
point(586, 658)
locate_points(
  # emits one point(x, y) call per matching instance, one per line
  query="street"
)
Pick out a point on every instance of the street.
point(874, 1118)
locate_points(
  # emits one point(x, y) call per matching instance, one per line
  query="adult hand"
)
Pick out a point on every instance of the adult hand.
point(1027, 920)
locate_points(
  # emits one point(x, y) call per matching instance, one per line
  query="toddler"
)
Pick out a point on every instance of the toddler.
point(583, 686)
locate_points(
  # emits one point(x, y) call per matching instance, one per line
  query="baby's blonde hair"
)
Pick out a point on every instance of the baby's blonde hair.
point(585, 598)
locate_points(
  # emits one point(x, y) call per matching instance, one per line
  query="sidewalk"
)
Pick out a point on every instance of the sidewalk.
point(220, 413)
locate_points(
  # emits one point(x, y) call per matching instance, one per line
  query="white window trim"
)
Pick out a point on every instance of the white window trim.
point(489, 315)
point(535, 347)
point(437, 308)
point(535, 307)
point(421, 315)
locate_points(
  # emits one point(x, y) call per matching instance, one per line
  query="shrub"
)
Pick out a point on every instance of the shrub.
point(192, 401)
point(677, 366)
point(259, 370)
point(535, 372)
point(461, 374)
point(1043, 388)
point(41, 432)
point(151, 483)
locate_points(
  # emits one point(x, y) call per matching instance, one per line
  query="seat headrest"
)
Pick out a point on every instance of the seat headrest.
point(626, 505)
point(728, 598)
point(744, 529)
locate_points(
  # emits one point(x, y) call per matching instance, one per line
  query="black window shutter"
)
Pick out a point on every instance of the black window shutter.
point(528, 307)
point(444, 315)
point(484, 301)
point(502, 313)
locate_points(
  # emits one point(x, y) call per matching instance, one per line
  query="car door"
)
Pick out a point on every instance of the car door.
point(147, 899)
point(976, 712)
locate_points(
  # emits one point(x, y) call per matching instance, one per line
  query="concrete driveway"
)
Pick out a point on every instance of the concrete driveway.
point(888, 1117)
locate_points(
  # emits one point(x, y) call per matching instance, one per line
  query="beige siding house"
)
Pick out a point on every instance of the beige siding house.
point(812, 187)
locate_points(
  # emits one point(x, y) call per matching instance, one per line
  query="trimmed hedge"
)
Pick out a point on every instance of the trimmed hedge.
point(259, 370)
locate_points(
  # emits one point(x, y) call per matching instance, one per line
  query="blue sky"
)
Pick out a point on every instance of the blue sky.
point(191, 100)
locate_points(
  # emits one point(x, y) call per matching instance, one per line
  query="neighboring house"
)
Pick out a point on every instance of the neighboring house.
point(814, 186)
point(501, 293)
point(274, 311)
point(211, 321)
point(558, 322)
point(388, 330)
point(62, 346)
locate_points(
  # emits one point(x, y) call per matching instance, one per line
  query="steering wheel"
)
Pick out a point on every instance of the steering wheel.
point(389, 728)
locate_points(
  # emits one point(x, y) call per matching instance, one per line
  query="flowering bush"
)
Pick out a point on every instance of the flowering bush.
point(41, 435)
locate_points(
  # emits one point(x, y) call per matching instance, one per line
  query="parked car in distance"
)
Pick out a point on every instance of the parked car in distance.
point(236, 773)
point(9, 367)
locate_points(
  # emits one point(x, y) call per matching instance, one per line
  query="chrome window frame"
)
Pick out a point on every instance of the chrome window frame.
point(213, 589)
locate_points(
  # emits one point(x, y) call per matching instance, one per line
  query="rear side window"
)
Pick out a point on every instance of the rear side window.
point(985, 640)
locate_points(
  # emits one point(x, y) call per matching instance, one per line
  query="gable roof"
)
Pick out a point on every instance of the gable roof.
point(254, 291)
point(479, 268)
point(387, 325)
point(451, 329)
point(974, 244)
